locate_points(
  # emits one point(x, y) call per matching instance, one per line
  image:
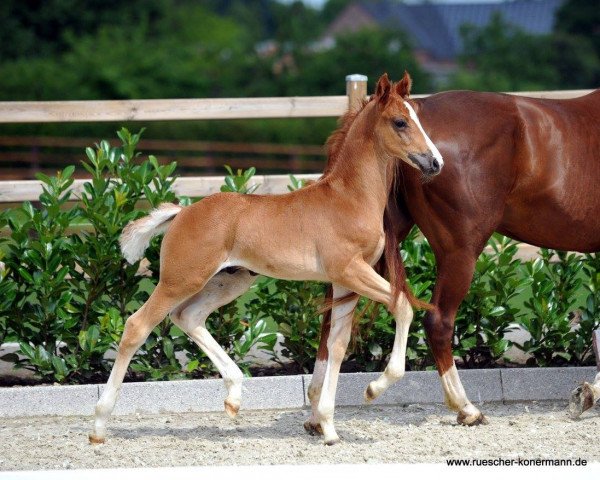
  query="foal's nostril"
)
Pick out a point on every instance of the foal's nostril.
point(435, 165)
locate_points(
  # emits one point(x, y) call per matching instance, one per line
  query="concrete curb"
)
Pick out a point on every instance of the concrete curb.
point(490, 385)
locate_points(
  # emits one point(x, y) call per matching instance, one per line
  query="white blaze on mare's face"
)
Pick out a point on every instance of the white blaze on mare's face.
point(436, 153)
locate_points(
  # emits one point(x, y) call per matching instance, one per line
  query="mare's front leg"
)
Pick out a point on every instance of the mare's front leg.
point(223, 288)
point(455, 272)
point(338, 312)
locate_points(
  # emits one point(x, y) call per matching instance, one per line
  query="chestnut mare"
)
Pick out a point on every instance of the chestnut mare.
point(527, 168)
point(330, 231)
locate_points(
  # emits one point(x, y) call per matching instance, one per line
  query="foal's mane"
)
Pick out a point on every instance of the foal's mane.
point(334, 143)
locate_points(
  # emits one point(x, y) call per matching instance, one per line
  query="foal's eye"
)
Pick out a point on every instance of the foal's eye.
point(400, 123)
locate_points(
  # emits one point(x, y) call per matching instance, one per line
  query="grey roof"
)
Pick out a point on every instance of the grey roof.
point(435, 27)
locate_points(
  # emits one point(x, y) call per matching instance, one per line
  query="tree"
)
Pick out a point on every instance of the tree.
point(580, 18)
point(36, 28)
point(370, 52)
point(501, 57)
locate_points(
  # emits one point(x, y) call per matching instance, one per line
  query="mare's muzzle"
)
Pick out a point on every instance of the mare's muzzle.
point(426, 162)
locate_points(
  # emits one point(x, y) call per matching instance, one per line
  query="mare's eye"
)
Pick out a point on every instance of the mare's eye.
point(400, 123)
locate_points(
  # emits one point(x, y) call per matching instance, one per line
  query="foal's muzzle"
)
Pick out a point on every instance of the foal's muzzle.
point(426, 162)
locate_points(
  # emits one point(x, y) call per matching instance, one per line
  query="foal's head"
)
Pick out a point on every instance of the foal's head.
point(398, 132)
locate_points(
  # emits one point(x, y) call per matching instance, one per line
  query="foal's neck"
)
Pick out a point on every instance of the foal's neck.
point(359, 169)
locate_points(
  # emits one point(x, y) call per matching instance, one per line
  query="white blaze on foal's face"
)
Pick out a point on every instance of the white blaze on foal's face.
point(434, 150)
point(400, 134)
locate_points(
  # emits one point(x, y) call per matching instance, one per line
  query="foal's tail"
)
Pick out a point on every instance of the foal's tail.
point(136, 235)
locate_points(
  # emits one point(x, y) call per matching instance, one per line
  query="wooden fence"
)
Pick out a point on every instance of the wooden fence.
point(193, 109)
point(22, 156)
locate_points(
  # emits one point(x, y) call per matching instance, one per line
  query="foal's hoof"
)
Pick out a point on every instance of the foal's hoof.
point(471, 420)
point(370, 394)
point(582, 399)
point(231, 409)
point(332, 441)
point(96, 440)
point(313, 429)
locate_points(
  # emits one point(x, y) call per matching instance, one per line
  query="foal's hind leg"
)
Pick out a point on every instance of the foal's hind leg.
point(137, 329)
point(191, 318)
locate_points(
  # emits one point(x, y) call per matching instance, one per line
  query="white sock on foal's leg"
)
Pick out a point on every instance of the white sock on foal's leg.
point(396, 366)
point(191, 317)
point(339, 337)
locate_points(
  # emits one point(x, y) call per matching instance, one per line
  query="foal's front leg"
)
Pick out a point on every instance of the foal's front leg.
point(396, 366)
point(191, 317)
point(339, 337)
point(361, 278)
point(338, 311)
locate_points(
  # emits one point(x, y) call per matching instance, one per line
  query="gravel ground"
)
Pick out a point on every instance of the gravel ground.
point(370, 434)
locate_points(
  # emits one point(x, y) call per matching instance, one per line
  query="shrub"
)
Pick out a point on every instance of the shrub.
point(66, 291)
point(66, 288)
point(552, 307)
point(489, 310)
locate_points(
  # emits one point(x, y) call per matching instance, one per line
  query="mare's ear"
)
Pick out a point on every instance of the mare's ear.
point(403, 86)
point(382, 91)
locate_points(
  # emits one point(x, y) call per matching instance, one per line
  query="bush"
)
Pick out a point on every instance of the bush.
point(66, 291)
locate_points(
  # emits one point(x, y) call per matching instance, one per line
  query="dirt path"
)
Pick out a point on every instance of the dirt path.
point(416, 433)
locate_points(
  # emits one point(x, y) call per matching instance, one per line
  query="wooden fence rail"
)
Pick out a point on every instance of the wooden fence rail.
point(204, 108)
point(20, 191)
point(191, 109)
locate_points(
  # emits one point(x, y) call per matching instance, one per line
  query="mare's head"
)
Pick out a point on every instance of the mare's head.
point(398, 132)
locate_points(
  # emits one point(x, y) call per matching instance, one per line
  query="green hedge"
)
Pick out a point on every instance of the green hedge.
point(66, 292)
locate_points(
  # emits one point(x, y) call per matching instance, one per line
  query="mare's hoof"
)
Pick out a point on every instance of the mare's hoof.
point(471, 420)
point(96, 440)
point(313, 429)
point(231, 409)
point(582, 399)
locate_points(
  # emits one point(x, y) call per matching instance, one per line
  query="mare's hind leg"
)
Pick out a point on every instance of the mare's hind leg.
point(584, 397)
point(137, 328)
point(191, 317)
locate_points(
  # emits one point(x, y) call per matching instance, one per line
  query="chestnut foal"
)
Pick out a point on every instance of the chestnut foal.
point(330, 231)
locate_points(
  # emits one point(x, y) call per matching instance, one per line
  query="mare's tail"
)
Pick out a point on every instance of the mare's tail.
point(136, 235)
point(390, 264)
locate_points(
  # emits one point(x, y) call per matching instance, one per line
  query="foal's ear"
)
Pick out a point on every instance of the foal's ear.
point(382, 91)
point(404, 85)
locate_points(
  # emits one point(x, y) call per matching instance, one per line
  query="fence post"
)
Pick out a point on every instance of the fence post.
point(356, 89)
